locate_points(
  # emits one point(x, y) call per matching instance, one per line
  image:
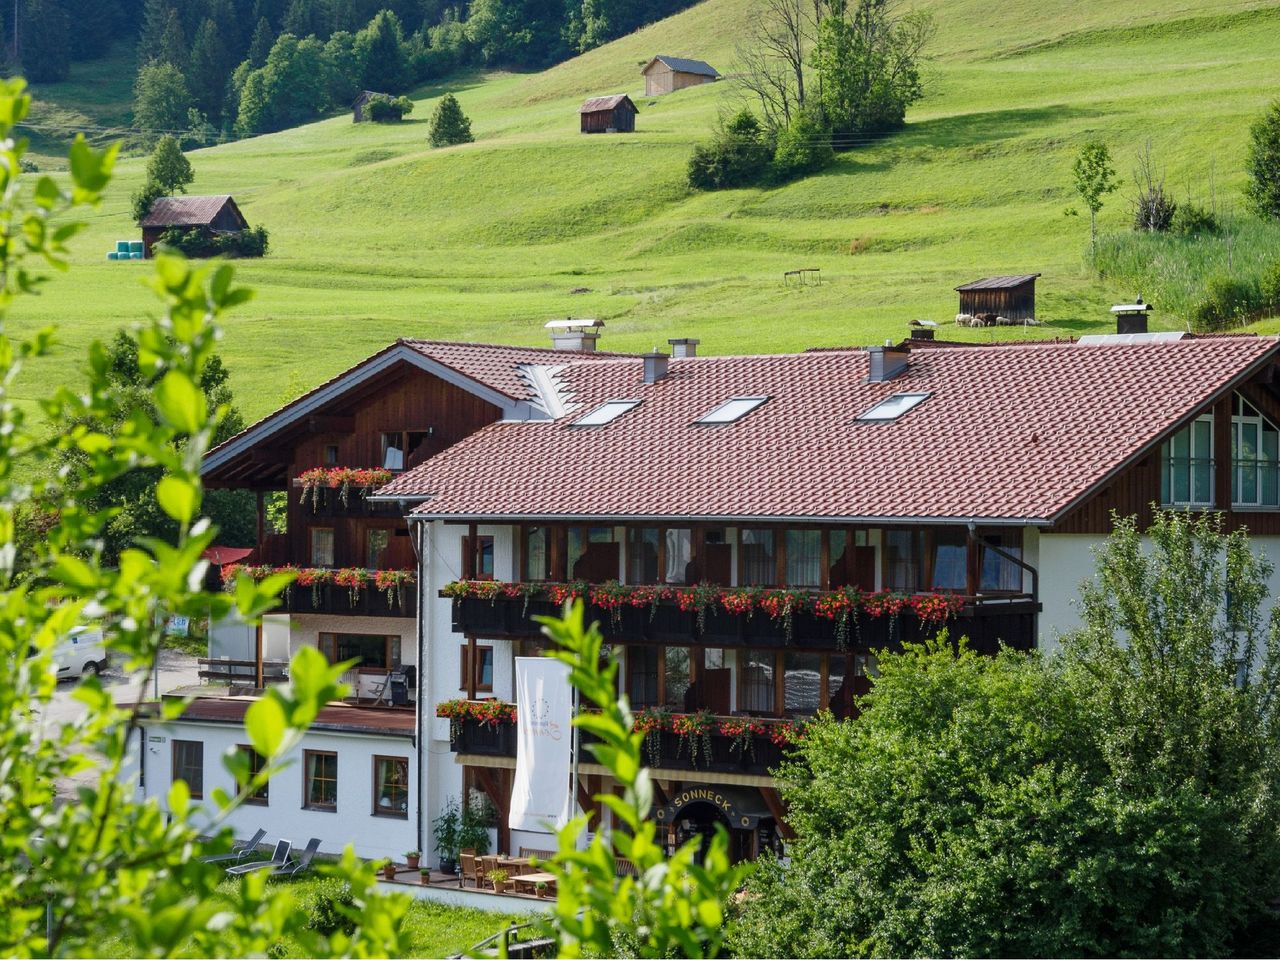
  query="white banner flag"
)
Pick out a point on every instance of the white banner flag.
point(540, 795)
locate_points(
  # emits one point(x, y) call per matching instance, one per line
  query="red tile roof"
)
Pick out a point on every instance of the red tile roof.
point(185, 211)
point(1008, 432)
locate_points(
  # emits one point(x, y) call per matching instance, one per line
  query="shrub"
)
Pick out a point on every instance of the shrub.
point(27, 165)
point(1191, 219)
point(203, 242)
point(803, 148)
point(326, 911)
point(1154, 209)
point(1269, 287)
point(1263, 164)
point(739, 156)
point(1227, 300)
point(449, 125)
point(384, 109)
point(144, 198)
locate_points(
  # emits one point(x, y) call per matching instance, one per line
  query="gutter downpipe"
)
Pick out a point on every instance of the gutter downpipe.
point(1019, 562)
point(420, 547)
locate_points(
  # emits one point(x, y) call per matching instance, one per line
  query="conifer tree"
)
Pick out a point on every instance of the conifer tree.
point(207, 74)
point(380, 47)
point(260, 44)
point(155, 16)
point(168, 168)
point(449, 125)
point(173, 42)
point(46, 43)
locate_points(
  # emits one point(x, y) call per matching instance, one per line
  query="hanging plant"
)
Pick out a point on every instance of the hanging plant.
point(742, 732)
point(936, 608)
point(354, 579)
point(652, 722)
point(782, 605)
point(698, 599)
point(560, 593)
point(611, 596)
point(841, 606)
point(341, 479)
point(695, 731)
point(315, 578)
point(648, 597)
point(741, 601)
point(787, 733)
point(391, 583)
point(475, 589)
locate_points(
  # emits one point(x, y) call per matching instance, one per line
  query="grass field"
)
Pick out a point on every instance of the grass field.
point(374, 236)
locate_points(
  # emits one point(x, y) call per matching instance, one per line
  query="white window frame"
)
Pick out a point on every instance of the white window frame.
point(893, 407)
point(1258, 463)
point(1169, 468)
point(730, 411)
point(605, 413)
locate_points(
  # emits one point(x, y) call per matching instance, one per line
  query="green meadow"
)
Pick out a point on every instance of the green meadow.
point(374, 236)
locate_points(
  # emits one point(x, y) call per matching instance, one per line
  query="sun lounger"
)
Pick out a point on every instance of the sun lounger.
point(239, 850)
point(299, 865)
point(278, 859)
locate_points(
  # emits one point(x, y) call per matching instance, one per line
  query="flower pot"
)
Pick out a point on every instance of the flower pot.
point(425, 876)
point(448, 866)
point(389, 871)
point(414, 860)
point(500, 886)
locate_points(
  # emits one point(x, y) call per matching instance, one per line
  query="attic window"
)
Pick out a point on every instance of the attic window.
point(607, 412)
point(891, 408)
point(731, 410)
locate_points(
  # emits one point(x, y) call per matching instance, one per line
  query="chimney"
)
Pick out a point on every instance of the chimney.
point(655, 366)
point(680, 349)
point(1131, 317)
point(575, 334)
point(886, 363)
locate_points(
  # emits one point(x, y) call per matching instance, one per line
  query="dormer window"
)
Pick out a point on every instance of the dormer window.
point(1255, 455)
point(891, 408)
point(606, 413)
point(731, 411)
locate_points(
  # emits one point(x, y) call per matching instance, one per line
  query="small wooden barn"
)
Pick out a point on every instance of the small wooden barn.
point(668, 74)
point(358, 113)
point(219, 214)
point(615, 114)
point(1013, 298)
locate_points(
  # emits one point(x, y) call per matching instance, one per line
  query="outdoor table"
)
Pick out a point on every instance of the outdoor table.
point(531, 880)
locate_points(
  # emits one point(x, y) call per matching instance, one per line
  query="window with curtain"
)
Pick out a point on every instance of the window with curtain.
point(642, 555)
point(1000, 575)
point(320, 780)
point(677, 677)
point(188, 765)
point(903, 553)
point(802, 682)
point(375, 651)
point(256, 763)
point(376, 541)
point(322, 546)
point(1186, 466)
point(836, 666)
point(1255, 454)
point(484, 668)
point(484, 557)
point(804, 558)
point(642, 676)
point(755, 690)
point(593, 554)
point(950, 560)
point(679, 544)
point(536, 554)
point(391, 787)
point(759, 560)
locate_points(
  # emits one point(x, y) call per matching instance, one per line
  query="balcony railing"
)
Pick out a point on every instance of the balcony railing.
point(838, 620)
point(353, 592)
point(326, 502)
point(686, 742)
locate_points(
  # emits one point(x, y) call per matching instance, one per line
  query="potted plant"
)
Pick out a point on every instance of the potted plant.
point(388, 870)
point(446, 831)
point(425, 873)
point(413, 858)
point(473, 826)
point(540, 888)
point(499, 880)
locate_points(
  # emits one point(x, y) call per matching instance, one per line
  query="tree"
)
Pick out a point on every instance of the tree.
point(380, 49)
point(107, 866)
point(155, 17)
point(260, 44)
point(1262, 164)
point(1094, 179)
point(739, 156)
point(869, 58)
point(46, 41)
point(290, 89)
point(207, 73)
point(306, 18)
point(517, 33)
point(173, 42)
point(1117, 799)
point(804, 147)
point(160, 99)
point(93, 26)
point(773, 57)
point(168, 168)
point(343, 68)
point(449, 125)
point(1153, 207)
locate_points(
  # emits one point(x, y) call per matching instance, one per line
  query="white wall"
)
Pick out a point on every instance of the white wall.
point(284, 815)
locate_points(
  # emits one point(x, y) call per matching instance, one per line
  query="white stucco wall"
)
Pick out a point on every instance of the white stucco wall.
point(284, 816)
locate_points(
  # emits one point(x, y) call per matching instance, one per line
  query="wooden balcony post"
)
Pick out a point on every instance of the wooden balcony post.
point(257, 636)
point(471, 666)
point(262, 520)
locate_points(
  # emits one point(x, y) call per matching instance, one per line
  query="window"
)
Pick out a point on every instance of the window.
point(755, 690)
point(1186, 465)
point(320, 780)
point(188, 766)
point(731, 410)
point(852, 560)
point(375, 545)
point(802, 682)
point(393, 451)
point(606, 413)
point(536, 554)
point(483, 569)
point(804, 558)
point(330, 454)
point(999, 574)
point(759, 561)
point(484, 668)
point(642, 676)
point(322, 546)
point(903, 553)
point(374, 651)
point(950, 560)
point(391, 787)
point(593, 554)
point(256, 763)
point(679, 555)
point(891, 408)
point(642, 554)
point(1255, 456)
point(676, 677)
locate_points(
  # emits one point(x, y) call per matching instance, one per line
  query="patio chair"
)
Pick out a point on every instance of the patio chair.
point(278, 859)
point(239, 850)
point(467, 869)
point(299, 865)
point(486, 866)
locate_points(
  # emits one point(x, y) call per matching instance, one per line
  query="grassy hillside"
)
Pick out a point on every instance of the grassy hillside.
point(375, 236)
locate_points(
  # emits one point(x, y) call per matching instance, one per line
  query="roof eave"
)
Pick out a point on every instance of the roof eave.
point(728, 519)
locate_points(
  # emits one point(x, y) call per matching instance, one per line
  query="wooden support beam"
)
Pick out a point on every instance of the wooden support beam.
point(276, 456)
point(493, 782)
point(774, 802)
point(471, 666)
point(330, 424)
point(588, 805)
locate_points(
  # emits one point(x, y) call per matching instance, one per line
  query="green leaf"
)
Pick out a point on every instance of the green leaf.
point(74, 572)
point(179, 799)
point(180, 402)
point(178, 497)
point(264, 722)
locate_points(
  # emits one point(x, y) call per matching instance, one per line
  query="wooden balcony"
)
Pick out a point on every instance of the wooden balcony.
point(332, 599)
point(326, 503)
point(985, 621)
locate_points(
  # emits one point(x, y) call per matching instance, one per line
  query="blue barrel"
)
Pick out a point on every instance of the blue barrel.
point(122, 246)
point(113, 255)
point(135, 246)
point(136, 256)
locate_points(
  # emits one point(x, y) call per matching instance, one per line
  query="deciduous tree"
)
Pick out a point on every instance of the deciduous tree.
point(1095, 177)
point(161, 100)
point(168, 168)
point(1262, 164)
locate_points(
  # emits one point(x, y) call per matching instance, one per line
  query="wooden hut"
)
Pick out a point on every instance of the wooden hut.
point(358, 105)
point(1010, 298)
point(219, 214)
point(615, 114)
point(668, 74)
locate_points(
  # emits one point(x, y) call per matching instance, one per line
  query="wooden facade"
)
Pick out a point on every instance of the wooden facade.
point(361, 102)
point(669, 74)
point(1013, 298)
point(616, 114)
point(226, 218)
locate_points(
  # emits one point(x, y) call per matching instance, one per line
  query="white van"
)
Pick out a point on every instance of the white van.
point(81, 654)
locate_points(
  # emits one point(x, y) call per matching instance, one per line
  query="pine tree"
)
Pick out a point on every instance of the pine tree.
point(46, 43)
point(380, 47)
point(261, 43)
point(306, 18)
point(168, 168)
point(208, 70)
point(173, 42)
point(449, 125)
point(155, 16)
point(93, 25)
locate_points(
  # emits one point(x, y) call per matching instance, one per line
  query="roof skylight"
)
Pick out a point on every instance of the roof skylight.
point(731, 410)
point(607, 412)
point(891, 408)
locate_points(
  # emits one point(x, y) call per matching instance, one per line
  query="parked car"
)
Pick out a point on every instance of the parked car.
point(81, 654)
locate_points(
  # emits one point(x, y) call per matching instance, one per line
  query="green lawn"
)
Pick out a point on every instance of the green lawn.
point(374, 236)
